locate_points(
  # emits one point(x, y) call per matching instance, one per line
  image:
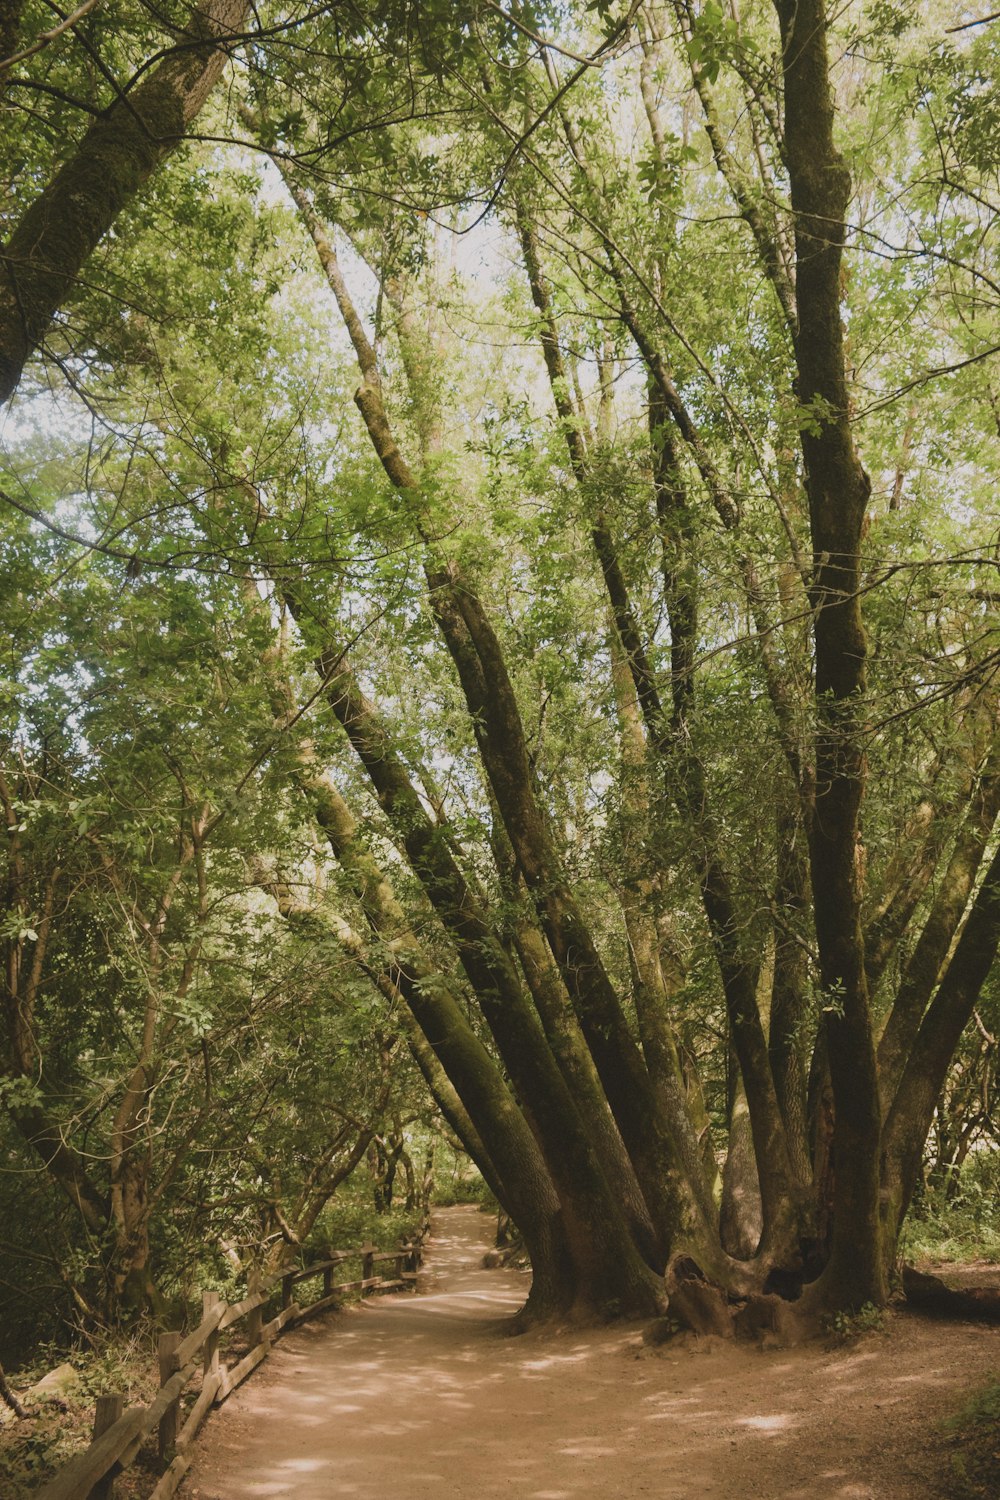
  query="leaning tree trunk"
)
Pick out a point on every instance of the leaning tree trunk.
point(513, 1152)
point(609, 1272)
point(927, 1065)
point(123, 147)
point(475, 1096)
point(10, 1397)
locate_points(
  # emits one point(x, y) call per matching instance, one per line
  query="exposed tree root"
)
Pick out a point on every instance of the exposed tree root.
point(704, 1307)
point(513, 1254)
point(785, 1313)
point(930, 1295)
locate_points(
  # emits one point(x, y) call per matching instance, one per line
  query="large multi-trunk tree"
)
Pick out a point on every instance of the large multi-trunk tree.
point(622, 652)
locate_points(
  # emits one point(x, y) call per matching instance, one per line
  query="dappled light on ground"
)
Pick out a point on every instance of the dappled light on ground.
point(418, 1398)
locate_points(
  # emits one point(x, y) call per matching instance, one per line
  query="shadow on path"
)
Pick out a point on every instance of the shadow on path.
point(418, 1398)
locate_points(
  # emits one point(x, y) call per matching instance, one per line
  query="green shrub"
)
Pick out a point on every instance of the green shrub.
point(964, 1227)
point(843, 1325)
point(464, 1189)
point(350, 1219)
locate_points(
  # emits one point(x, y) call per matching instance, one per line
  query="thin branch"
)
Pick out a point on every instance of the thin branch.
point(46, 37)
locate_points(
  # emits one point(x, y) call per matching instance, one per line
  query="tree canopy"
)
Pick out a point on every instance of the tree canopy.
point(499, 618)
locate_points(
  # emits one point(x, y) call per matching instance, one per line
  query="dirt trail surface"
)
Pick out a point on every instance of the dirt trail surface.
point(418, 1398)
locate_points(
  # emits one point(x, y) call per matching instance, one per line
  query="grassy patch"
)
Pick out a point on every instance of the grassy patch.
point(950, 1237)
point(974, 1435)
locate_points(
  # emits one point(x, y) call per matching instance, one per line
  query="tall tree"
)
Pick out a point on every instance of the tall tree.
point(644, 728)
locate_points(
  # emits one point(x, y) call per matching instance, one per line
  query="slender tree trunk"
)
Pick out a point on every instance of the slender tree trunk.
point(923, 1077)
point(500, 736)
point(680, 1097)
point(10, 1397)
point(512, 1152)
point(577, 1066)
point(741, 1219)
point(789, 989)
point(685, 783)
point(838, 489)
point(928, 957)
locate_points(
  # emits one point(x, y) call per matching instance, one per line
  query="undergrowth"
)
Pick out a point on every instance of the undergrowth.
point(348, 1221)
point(975, 1435)
point(60, 1424)
point(961, 1228)
point(462, 1186)
point(844, 1326)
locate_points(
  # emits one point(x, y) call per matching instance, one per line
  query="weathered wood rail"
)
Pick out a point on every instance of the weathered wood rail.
point(119, 1435)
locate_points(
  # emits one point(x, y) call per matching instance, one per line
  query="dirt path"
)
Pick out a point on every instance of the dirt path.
point(416, 1398)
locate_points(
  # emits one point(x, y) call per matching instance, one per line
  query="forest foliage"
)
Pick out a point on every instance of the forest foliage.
point(499, 635)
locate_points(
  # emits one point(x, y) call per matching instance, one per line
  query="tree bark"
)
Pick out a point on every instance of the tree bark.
point(512, 1156)
point(10, 1397)
point(790, 987)
point(925, 963)
point(120, 151)
point(605, 1267)
point(909, 1118)
point(837, 488)
point(610, 1270)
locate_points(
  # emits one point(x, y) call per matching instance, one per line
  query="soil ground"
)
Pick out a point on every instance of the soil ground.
point(419, 1398)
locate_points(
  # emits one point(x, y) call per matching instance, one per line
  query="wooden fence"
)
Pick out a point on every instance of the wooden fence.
point(120, 1434)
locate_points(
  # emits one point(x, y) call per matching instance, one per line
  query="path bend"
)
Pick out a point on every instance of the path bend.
point(417, 1398)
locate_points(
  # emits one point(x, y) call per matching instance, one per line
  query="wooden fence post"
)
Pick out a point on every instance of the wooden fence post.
point(210, 1353)
point(109, 1409)
point(287, 1284)
point(255, 1318)
point(165, 1350)
point(327, 1281)
point(367, 1263)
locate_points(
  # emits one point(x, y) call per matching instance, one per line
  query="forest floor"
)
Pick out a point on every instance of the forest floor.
point(417, 1397)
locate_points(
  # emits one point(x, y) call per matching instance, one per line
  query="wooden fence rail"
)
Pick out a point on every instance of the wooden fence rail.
point(120, 1434)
